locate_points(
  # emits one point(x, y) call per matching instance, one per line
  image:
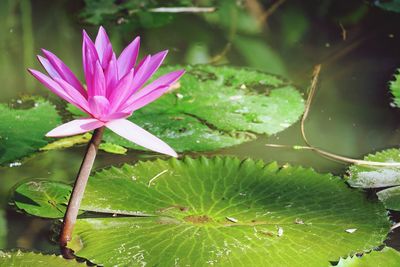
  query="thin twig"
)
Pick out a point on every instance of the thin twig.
point(344, 32)
point(396, 225)
point(326, 154)
point(264, 17)
point(192, 9)
point(155, 177)
point(215, 59)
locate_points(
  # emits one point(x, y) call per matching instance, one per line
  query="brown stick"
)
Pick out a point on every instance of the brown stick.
point(79, 188)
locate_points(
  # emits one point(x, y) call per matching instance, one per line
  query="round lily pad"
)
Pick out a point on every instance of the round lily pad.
point(42, 198)
point(216, 107)
point(23, 128)
point(226, 212)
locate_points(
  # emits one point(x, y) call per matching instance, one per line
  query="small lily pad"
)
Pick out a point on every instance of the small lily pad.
point(390, 197)
point(23, 128)
point(31, 259)
point(223, 211)
point(375, 177)
point(394, 85)
point(42, 198)
point(217, 107)
point(387, 257)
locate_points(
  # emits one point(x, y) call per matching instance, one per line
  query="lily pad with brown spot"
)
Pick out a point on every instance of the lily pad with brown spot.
point(288, 216)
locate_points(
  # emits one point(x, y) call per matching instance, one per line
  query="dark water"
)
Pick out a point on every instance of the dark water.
point(351, 114)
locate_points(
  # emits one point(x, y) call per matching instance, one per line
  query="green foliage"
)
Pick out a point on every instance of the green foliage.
point(395, 88)
point(390, 5)
point(31, 259)
point(216, 107)
point(387, 257)
point(42, 198)
point(3, 230)
point(224, 211)
point(23, 128)
point(133, 12)
point(253, 49)
point(374, 177)
point(113, 148)
point(390, 198)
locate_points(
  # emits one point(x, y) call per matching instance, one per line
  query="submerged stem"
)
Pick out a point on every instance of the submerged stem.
point(79, 188)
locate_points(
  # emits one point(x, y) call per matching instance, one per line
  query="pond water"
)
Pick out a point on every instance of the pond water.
point(351, 114)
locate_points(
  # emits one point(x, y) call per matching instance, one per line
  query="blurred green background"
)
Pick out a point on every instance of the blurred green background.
point(356, 42)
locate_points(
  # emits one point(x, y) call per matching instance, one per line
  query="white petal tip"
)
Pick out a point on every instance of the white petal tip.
point(173, 154)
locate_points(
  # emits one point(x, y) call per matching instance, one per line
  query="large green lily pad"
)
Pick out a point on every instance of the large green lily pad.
point(224, 211)
point(31, 259)
point(23, 129)
point(387, 257)
point(216, 107)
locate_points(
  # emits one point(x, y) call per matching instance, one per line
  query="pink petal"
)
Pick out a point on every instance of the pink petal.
point(103, 47)
point(122, 91)
point(89, 57)
point(116, 116)
point(75, 127)
point(79, 100)
point(127, 59)
point(149, 69)
point(99, 106)
point(63, 71)
point(99, 82)
point(135, 134)
point(48, 67)
point(111, 75)
point(52, 85)
point(152, 91)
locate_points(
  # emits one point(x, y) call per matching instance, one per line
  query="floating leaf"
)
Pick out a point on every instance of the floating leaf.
point(224, 211)
point(112, 148)
point(389, 5)
point(394, 87)
point(216, 107)
point(373, 177)
point(42, 198)
point(390, 197)
point(387, 257)
point(68, 142)
point(31, 259)
point(3, 230)
point(22, 131)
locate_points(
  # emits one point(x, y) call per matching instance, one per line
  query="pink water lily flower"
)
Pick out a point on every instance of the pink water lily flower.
point(115, 88)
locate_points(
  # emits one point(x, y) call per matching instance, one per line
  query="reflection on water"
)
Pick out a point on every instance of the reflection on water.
point(351, 114)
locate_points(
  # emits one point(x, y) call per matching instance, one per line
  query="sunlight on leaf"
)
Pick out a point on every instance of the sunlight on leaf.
point(224, 211)
point(374, 177)
point(390, 198)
